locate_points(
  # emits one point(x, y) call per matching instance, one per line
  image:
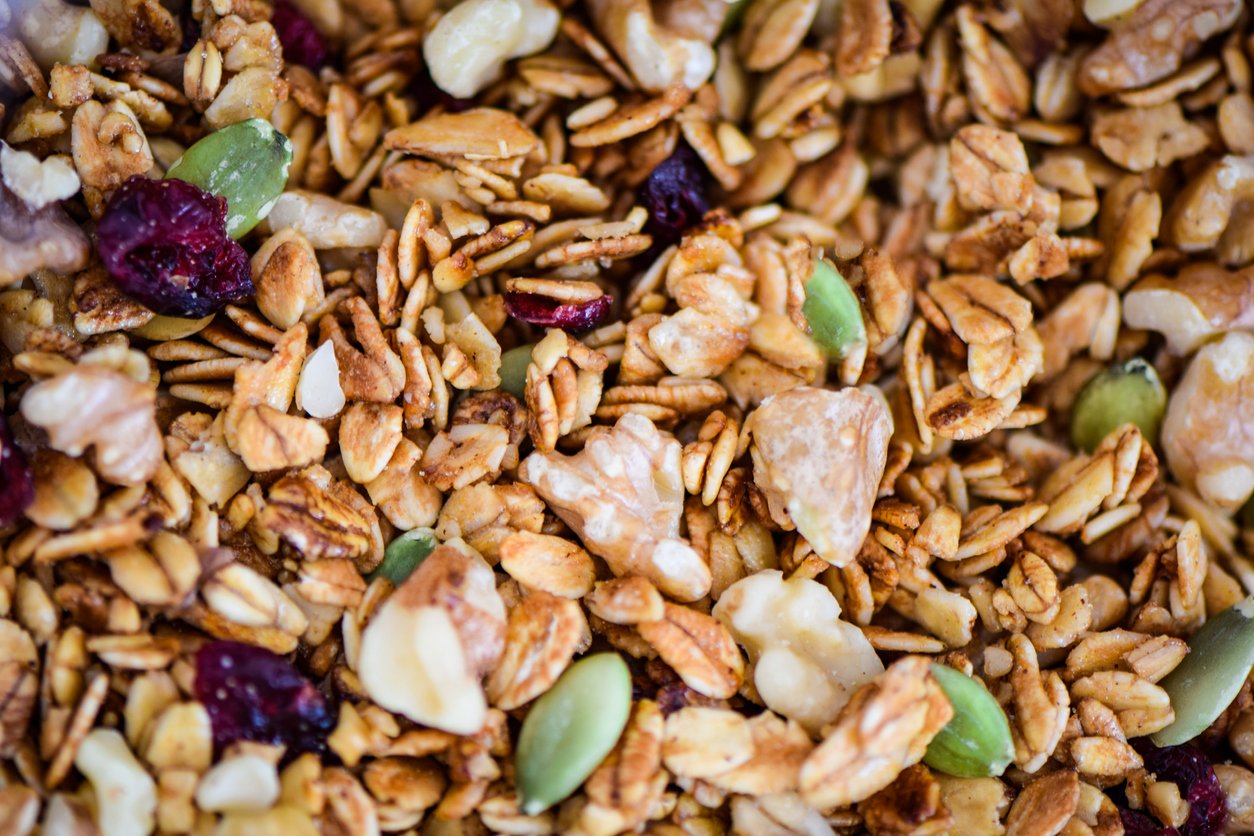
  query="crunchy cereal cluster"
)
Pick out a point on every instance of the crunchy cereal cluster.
point(537, 286)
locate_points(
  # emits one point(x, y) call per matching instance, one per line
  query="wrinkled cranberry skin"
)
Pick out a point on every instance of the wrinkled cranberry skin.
point(253, 694)
point(676, 194)
point(164, 242)
point(1139, 824)
point(1187, 767)
point(17, 485)
point(549, 313)
point(302, 43)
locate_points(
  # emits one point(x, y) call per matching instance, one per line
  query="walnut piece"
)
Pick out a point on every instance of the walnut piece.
point(1203, 301)
point(884, 729)
point(657, 55)
point(37, 182)
point(1153, 43)
point(818, 457)
point(35, 239)
point(1206, 432)
point(93, 405)
point(806, 661)
point(623, 495)
point(425, 652)
point(19, 684)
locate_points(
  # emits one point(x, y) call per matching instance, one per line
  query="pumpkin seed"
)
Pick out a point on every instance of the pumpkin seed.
point(161, 328)
point(976, 742)
point(1221, 655)
point(246, 163)
point(1128, 393)
point(571, 729)
point(403, 555)
point(833, 311)
point(514, 365)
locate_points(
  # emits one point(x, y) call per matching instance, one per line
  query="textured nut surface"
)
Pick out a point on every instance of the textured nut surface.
point(623, 495)
point(815, 451)
point(807, 662)
point(92, 406)
point(472, 41)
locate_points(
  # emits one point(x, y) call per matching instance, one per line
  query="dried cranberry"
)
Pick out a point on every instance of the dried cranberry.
point(429, 94)
point(550, 313)
point(164, 242)
point(675, 193)
point(1187, 767)
point(17, 486)
point(253, 694)
point(1139, 824)
point(302, 43)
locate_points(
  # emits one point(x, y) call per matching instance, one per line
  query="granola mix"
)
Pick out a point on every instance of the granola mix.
point(470, 340)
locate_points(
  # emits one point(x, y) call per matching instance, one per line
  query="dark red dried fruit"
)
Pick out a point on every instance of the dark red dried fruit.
point(164, 242)
point(1139, 824)
point(550, 313)
point(17, 486)
point(1187, 767)
point(253, 694)
point(302, 42)
point(676, 195)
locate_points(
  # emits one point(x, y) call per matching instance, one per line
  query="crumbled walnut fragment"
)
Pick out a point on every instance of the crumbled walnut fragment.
point(1206, 431)
point(623, 495)
point(93, 406)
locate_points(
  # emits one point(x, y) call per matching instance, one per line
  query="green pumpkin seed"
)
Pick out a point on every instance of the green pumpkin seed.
point(976, 742)
point(833, 311)
point(1221, 655)
point(514, 365)
point(571, 729)
point(162, 328)
point(403, 555)
point(1128, 393)
point(246, 163)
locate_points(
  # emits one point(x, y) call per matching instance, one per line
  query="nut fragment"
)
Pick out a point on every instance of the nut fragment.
point(807, 662)
point(116, 775)
point(623, 495)
point(818, 457)
point(1205, 429)
point(426, 649)
point(93, 406)
point(472, 41)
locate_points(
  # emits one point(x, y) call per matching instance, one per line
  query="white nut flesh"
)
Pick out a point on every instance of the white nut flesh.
point(470, 44)
point(1207, 430)
point(807, 662)
point(126, 795)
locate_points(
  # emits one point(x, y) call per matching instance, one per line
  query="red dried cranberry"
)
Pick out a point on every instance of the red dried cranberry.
point(17, 486)
point(675, 193)
point(164, 242)
point(549, 313)
point(302, 42)
point(1187, 767)
point(253, 694)
point(1139, 824)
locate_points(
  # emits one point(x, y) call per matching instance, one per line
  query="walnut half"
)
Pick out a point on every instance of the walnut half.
point(35, 239)
point(623, 495)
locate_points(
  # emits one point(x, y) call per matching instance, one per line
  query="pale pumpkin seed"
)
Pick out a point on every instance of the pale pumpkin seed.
point(514, 365)
point(1221, 655)
point(403, 555)
point(1127, 393)
point(976, 742)
point(833, 311)
point(246, 163)
point(571, 729)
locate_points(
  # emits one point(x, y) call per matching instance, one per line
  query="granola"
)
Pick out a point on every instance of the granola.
point(522, 363)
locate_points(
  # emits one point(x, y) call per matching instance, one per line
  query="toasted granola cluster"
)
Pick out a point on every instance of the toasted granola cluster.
point(536, 291)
